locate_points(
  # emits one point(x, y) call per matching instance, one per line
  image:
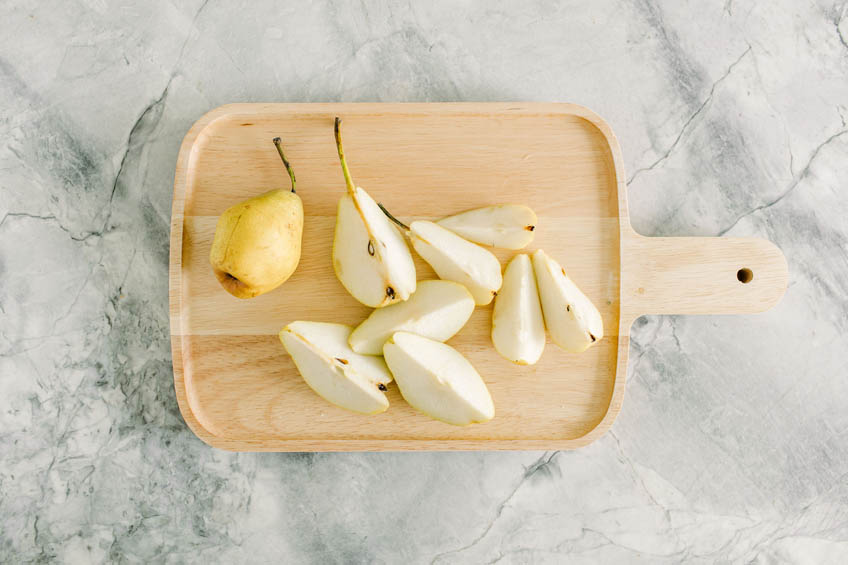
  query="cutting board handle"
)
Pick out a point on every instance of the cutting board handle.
point(701, 275)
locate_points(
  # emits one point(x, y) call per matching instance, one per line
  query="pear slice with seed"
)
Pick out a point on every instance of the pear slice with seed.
point(455, 258)
point(572, 320)
point(370, 256)
point(506, 226)
point(333, 370)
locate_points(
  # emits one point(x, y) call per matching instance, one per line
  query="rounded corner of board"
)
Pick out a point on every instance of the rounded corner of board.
point(204, 122)
point(191, 420)
point(600, 429)
point(592, 117)
point(200, 431)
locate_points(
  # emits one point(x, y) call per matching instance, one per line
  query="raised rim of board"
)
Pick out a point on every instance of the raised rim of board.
point(175, 290)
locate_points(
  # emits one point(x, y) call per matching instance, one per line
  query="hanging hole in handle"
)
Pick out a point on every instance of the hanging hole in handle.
point(745, 275)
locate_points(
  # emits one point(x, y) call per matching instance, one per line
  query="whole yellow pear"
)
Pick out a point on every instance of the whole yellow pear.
point(257, 242)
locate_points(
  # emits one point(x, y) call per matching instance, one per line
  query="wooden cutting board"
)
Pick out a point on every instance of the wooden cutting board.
point(239, 390)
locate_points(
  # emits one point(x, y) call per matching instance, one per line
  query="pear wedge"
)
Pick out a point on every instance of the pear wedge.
point(507, 226)
point(518, 329)
point(370, 256)
point(455, 258)
point(328, 365)
point(437, 380)
point(572, 320)
point(437, 309)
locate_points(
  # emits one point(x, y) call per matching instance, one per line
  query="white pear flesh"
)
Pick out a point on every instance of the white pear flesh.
point(437, 380)
point(329, 366)
point(572, 320)
point(518, 329)
point(370, 256)
point(437, 309)
point(458, 260)
point(507, 226)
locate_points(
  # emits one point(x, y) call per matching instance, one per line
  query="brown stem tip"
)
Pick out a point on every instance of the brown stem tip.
point(279, 144)
point(392, 218)
point(348, 180)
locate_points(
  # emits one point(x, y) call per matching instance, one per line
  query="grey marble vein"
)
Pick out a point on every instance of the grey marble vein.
point(732, 446)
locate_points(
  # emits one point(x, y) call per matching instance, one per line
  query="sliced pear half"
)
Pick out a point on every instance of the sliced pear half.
point(437, 380)
point(455, 258)
point(572, 320)
point(370, 256)
point(437, 309)
point(507, 226)
point(332, 369)
point(518, 329)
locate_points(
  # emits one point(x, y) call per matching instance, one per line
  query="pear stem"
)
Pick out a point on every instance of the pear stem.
point(392, 218)
point(348, 181)
point(279, 143)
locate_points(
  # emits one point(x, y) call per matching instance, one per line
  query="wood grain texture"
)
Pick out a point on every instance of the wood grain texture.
point(238, 389)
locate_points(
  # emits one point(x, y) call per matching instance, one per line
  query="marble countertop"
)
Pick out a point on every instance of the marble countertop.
point(732, 445)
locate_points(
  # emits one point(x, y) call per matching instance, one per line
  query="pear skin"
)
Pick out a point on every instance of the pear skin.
point(257, 242)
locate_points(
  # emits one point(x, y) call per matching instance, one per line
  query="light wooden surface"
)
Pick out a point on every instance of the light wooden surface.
point(238, 389)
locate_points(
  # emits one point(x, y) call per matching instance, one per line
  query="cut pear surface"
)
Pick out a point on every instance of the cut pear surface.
point(370, 256)
point(572, 320)
point(457, 259)
point(334, 371)
point(518, 329)
point(508, 226)
point(437, 309)
point(437, 380)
